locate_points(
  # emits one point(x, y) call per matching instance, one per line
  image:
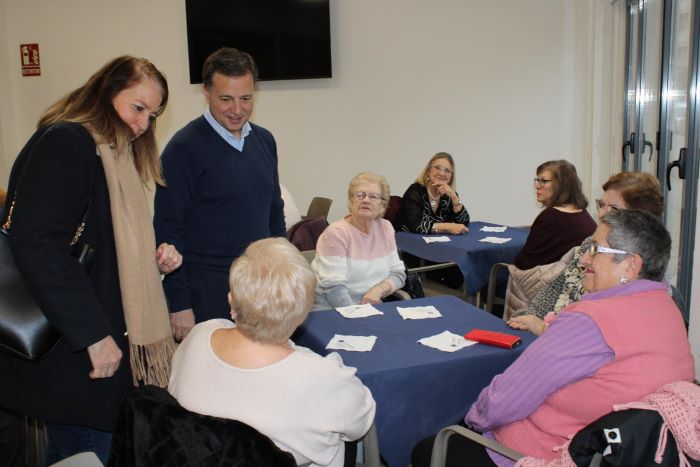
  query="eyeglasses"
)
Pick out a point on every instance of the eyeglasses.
point(442, 170)
point(541, 181)
point(372, 196)
point(594, 249)
point(601, 205)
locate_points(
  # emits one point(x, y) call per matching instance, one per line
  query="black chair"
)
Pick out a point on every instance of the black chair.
point(154, 430)
point(625, 438)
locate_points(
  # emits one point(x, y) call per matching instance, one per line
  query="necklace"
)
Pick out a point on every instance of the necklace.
point(433, 200)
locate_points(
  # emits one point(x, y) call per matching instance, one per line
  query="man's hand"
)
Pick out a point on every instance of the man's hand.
point(181, 322)
point(168, 258)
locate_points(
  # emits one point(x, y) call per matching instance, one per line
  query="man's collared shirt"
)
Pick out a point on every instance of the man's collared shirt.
point(227, 135)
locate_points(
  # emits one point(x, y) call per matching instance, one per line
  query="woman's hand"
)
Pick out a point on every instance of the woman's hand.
point(527, 323)
point(452, 228)
point(181, 323)
point(445, 189)
point(105, 356)
point(168, 258)
point(373, 295)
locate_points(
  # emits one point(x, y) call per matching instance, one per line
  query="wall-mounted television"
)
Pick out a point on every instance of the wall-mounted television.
point(289, 39)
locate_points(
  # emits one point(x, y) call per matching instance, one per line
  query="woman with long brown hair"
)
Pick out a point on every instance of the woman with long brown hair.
point(91, 157)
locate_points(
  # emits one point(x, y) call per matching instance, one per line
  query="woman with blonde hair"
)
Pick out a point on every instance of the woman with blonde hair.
point(90, 158)
point(431, 204)
point(356, 257)
point(250, 371)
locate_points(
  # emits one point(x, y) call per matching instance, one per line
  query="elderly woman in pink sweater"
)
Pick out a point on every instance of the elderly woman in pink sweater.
point(356, 257)
point(620, 342)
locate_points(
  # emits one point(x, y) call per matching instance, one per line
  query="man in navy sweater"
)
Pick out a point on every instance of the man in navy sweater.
point(222, 191)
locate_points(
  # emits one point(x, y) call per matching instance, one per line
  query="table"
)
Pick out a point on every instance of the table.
point(418, 389)
point(473, 257)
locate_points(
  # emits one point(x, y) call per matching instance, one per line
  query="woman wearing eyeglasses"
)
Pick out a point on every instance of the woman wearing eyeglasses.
point(564, 223)
point(619, 343)
point(624, 190)
point(431, 204)
point(356, 258)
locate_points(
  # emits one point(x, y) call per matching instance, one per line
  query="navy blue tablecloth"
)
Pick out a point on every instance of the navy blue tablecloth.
point(418, 389)
point(473, 257)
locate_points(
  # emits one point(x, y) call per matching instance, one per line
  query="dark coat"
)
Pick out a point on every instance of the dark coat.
point(154, 429)
point(52, 176)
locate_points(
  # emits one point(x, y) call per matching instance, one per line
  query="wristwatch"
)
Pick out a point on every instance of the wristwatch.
point(435, 228)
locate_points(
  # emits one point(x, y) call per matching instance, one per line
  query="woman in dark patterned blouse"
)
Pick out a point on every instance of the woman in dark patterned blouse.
point(431, 205)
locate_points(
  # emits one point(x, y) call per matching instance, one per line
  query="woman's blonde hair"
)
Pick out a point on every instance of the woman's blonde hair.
point(425, 173)
point(272, 290)
point(369, 177)
point(91, 105)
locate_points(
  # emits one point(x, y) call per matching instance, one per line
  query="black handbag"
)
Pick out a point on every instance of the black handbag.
point(24, 330)
point(413, 285)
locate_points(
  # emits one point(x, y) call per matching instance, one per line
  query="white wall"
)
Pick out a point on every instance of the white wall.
point(502, 85)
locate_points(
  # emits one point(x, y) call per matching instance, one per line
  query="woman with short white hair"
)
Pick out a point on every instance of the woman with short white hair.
point(250, 371)
point(356, 257)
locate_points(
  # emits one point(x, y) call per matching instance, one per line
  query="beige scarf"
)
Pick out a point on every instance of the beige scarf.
point(151, 344)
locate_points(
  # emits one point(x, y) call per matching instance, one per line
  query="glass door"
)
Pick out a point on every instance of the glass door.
point(631, 108)
point(661, 119)
point(651, 38)
point(689, 160)
point(642, 75)
point(674, 124)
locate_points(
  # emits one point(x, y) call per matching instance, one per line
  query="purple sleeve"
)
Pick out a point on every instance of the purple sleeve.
point(572, 348)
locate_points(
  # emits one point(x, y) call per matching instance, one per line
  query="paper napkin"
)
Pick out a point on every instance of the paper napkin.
point(441, 238)
point(352, 343)
point(358, 311)
point(418, 312)
point(495, 240)
point(501, 228)
point(446, 341)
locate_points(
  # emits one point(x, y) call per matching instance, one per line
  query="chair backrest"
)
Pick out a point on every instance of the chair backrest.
point(392, 210)
point(153, 429)
point(309, 255)
point(304, 234)
point(627, 437)
point(319, 207)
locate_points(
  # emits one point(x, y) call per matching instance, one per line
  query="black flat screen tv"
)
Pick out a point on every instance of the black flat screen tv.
point(289, 39)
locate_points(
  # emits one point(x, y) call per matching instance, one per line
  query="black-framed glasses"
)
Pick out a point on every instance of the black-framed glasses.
point(372, 196)
point(602, 205)
point(594, 249)
point(541, 181)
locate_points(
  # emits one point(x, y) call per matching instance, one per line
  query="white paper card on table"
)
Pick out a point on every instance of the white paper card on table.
point(441, 238)
point(352, 343)
point(358, 311)
point(495, 228)
point(495, 239)
point(418, 312)
point(446, 341)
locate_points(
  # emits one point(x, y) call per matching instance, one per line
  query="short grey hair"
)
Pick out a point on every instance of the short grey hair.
point(369, 177)
point(640, 232)
point(272, 290)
